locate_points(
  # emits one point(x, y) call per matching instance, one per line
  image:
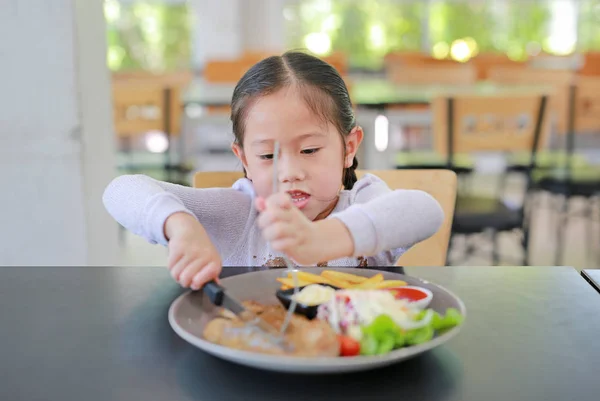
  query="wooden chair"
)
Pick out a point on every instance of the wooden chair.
point(559, 80)
point(591, 64)
point(226, 71)
point(146, 102)
point(484, 62)
point(441, 184)
point(427, 74)
point(473, 124)
point(572, 179)
point(256, 56)
point(138, 109)
point(133, 90)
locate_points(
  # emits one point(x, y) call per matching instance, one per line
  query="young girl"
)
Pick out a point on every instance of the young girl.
point(321, 214)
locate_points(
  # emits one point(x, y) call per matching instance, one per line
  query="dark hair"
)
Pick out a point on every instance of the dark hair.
point(321, 85)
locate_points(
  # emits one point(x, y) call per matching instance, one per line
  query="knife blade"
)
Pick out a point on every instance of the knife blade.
point(219, 297)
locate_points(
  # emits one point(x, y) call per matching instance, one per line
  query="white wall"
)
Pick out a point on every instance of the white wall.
point(217, 30)
point(225, 28)
point(56, 152)
point(263, 26)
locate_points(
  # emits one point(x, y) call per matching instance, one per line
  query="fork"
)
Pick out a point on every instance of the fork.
point(288, 263)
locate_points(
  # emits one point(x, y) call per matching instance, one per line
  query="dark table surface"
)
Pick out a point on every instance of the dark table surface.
point(592, 276)
point(92, 333)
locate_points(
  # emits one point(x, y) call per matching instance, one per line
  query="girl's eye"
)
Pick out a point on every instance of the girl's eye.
point(266, 157)
point(310, 151)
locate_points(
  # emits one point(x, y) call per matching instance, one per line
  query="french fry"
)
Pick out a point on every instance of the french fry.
point(340, 280)
point(350, 278)
point(319, 279)
point(311, 278)
point(341, 284)
point(370, 283)
point(290, 282)
point(390, 284)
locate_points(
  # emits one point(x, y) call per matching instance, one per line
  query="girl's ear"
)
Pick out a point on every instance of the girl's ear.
point(239, 153)
point(353, 141)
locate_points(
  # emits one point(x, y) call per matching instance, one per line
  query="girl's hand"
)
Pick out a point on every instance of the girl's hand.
point(193, 259)
point(289, 231)
point(286, 228)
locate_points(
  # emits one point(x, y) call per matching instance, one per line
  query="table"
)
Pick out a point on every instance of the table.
point(94, 333)
point(592, 276)
point(370, 92)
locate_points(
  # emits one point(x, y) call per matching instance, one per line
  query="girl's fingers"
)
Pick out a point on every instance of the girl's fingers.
point(174, 258)
point(273, 215)
point(277, 231)
point(260, 204)
point(186, 277)
point(178, 268)
point(279, 200)
point(209, 272)
point(284, 245)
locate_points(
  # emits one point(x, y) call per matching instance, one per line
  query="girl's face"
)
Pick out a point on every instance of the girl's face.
point(311, 158)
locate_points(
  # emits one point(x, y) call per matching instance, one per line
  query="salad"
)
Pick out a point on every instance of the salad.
point(374, 322)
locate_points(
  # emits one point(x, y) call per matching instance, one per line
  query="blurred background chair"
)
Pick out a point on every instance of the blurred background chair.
point(147, 112)
point(493, 125)
point(574, 177)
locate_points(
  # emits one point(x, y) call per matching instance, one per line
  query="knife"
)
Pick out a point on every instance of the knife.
point(219, 297)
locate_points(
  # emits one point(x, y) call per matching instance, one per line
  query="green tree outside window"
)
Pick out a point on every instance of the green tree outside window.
point(150, 36)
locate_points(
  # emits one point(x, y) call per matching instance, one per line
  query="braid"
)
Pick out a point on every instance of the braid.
point(350, 175)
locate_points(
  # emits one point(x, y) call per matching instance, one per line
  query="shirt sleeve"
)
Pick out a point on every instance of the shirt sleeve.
point(142, 205)
point(382, 220)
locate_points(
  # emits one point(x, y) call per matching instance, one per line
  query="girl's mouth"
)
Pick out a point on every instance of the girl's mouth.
point(299, 198)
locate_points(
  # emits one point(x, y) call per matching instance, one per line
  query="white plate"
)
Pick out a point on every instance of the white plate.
point(190, 312)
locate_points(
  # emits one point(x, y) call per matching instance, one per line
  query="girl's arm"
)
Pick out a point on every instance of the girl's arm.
point(142, 205)
point(380, 219)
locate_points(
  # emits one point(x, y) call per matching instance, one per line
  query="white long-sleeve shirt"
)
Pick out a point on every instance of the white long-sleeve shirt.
point(383, 223)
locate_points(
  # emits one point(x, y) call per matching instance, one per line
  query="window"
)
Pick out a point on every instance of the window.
point(363, 29)
point(367, 29)
point(151, 36)
point(589, 25)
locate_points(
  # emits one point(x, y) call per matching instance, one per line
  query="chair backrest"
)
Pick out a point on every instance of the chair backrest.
point(145, 101)
point(465, 124)
point(138, 109)
point(560, 80)
point(587, 105)
point(484, 62)
point(591, 64)
point(254, 57)
point(226, 71)
point(441, 184)
point(458, 74)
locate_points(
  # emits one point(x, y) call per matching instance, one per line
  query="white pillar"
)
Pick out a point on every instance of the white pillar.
point(216, 30)
point(263, 25)
point(56, 142)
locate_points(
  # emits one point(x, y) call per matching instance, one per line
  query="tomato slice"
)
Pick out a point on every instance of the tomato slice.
point(348, 346)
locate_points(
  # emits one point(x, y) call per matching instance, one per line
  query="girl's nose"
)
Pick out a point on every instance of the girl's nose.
point(290, 170)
